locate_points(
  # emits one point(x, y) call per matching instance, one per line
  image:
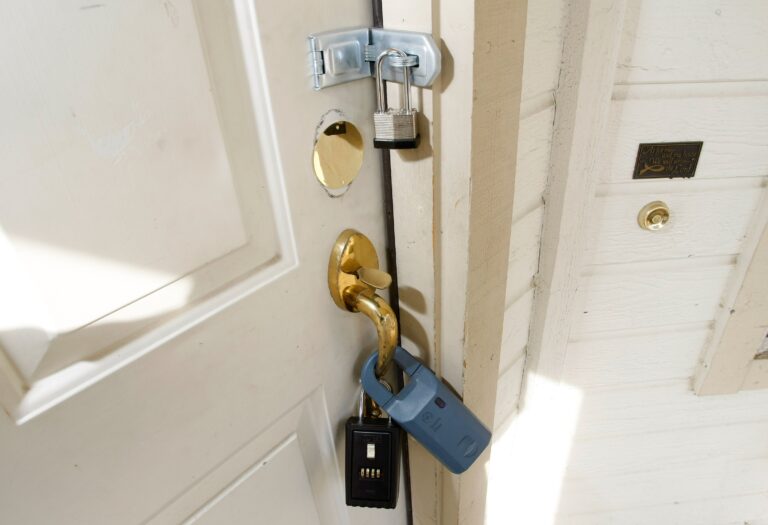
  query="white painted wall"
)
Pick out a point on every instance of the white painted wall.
point(626, 439)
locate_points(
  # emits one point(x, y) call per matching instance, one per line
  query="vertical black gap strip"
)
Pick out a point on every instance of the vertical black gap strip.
point(391, 257)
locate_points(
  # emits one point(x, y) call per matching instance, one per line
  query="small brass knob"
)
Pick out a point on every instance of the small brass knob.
point(653, 216)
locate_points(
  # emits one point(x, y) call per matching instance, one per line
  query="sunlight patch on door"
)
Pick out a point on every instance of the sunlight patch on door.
point(78, 288)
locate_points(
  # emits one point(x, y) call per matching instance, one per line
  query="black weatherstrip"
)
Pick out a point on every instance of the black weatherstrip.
point(391, 256)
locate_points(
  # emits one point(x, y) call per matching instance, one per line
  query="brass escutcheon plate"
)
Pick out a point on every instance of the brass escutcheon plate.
point(338, 156)
point(353, 278)
point(352, 251)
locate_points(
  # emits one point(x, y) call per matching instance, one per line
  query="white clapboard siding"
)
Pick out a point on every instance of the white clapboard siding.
point(646, 449)
point(508, 393)
point(543, 46)
point(627, 359)
point(662, 449)
point(517, 320)
point(621, 297)
point(533, 149)
point(523, 254)
point(638, 409)
point(696, 227)
point(719, 477)
point(541, 69)
point(711, 511)
point(697, 41)
point(730, 118)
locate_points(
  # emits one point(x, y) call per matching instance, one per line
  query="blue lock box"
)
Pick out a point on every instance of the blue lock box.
point(430, 412)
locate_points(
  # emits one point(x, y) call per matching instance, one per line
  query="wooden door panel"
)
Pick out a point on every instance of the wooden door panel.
point(239, 411)
point(123, 171)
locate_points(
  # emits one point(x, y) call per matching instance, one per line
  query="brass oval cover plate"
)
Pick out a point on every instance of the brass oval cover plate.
point(653, 216)
point(338, 155)
point(351, 252)
point(353, 278)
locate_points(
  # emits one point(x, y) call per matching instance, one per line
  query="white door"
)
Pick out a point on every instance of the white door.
point(169, 347)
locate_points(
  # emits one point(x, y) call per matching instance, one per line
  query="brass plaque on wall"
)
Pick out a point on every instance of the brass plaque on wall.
point(667, 160)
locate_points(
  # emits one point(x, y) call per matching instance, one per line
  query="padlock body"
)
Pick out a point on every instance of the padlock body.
point(395, 129)
point(372, 462)
point(429, 411)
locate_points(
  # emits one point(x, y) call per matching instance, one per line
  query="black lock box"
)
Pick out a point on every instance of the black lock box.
point(372, 462)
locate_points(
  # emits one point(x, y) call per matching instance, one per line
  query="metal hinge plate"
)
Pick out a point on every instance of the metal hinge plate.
point(341, 56)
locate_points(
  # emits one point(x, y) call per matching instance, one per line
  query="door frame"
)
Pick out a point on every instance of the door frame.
point(453, 214)
point(729, 363)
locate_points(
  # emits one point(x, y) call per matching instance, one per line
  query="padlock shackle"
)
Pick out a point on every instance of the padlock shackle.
point(380, 80)
point(409, 364)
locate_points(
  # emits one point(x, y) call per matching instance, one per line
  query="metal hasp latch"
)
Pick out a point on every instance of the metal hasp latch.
point(341, 56)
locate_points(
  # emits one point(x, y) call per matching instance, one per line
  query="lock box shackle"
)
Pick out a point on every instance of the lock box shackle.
point(397, 57)
point(429, 411)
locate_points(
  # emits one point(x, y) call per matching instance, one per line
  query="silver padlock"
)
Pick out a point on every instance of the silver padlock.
point(394, 128)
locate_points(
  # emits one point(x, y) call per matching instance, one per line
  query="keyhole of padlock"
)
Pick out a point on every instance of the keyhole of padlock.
point(394, 128)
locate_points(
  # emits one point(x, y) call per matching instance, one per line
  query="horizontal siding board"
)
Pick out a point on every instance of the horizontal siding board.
point(508, 392)
point(621, 361)
point(543, 46)
point(752, 508)
point(533, 149)
point(697, 40)
point(719, 477)
point(667, 449)
point(695, 229)
point(732, 121)
point(651, 408)
point(523, 254)
point(517, 321)
point(649, 297)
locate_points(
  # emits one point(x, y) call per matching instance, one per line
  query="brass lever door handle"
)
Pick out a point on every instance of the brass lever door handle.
point(353, 278)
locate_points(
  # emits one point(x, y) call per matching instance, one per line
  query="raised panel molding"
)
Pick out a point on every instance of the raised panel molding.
point(291, 444)
point(44, 361)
